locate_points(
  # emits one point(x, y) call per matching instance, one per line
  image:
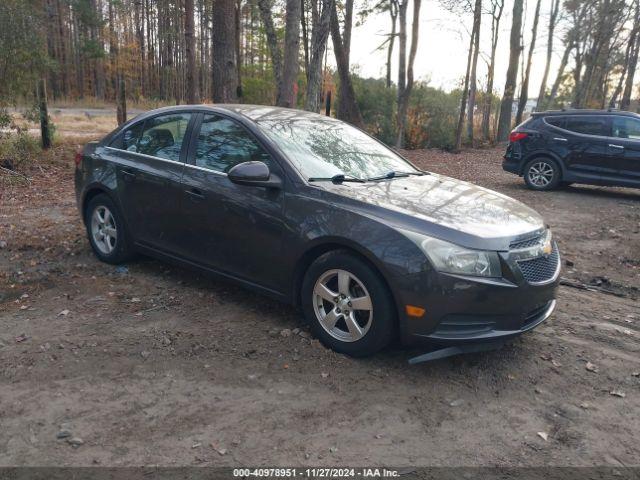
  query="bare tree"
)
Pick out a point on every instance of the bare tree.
point(265, 7)
point(225, 73)
point(497, 6)
point(319, 35)
point(506, 105)
point(465, 89)
point(405, 69)
point(553, 20)
point(524, 89)
point(45, 128)
point(632, 60)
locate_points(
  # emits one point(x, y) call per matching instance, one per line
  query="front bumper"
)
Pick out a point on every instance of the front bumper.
point(462, 309)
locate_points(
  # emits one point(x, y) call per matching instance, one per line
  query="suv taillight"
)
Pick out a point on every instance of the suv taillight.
point(515, 136)
point(78, 158)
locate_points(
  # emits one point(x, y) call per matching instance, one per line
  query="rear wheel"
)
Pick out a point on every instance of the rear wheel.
point(347, 304)
point(107, 231)
point(542, 174)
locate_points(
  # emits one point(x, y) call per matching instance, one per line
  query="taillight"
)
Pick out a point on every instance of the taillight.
point(78, 158)
point(515, 136)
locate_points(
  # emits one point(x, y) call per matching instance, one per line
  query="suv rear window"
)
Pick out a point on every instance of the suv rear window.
point(591, 125)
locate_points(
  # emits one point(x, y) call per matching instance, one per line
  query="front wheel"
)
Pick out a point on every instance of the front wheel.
point(542, 174)
point(348, 305)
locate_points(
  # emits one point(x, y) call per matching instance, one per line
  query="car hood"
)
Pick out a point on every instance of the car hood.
point(444, 207)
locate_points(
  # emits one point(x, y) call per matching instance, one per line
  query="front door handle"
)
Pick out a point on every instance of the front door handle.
point(195, 194)
point(619, 147)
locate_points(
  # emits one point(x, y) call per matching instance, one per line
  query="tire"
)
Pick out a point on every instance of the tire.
point(107, 230)
point(338, 305)
point(542, 174)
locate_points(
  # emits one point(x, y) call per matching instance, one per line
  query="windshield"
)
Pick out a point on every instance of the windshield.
point(322, 147)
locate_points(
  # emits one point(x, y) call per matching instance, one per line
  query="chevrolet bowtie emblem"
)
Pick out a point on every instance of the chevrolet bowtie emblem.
point(546, 249)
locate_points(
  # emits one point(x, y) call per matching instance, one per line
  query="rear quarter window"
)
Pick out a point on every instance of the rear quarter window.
point(559, 122)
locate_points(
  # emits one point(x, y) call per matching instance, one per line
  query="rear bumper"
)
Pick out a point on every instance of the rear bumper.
point(511, 162)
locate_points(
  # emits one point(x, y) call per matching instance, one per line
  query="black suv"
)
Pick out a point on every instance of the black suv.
point(597, 147)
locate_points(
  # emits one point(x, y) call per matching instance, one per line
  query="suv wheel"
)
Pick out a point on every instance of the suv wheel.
point(107, 231)
point(542, 174)
point(347, 304)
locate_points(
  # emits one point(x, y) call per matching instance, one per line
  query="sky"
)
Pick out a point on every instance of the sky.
point(444, 42)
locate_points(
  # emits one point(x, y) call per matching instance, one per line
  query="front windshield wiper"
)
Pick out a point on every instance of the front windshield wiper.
point(339, 178)
point(393, 174)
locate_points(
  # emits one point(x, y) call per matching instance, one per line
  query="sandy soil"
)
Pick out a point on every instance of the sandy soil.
point(152, 364)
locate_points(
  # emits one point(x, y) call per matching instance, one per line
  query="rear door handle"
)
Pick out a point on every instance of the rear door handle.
point(560, 139)
point(128, 175)
point(620, 147)
point(195, 194)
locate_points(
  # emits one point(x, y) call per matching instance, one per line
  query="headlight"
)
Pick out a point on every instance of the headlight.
point(450, 258)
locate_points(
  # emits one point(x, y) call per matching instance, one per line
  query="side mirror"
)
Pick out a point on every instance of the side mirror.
point(255, 174)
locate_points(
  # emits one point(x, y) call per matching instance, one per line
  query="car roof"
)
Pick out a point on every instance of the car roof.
point(253, 112)
point(584, 111)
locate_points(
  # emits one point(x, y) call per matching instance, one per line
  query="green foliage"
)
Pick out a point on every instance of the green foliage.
point(432, 114)
point(18, 150)
point(432, 117)
point(378, 107)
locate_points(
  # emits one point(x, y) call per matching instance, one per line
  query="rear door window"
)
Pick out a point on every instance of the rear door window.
point(222, 144)
point(625, 127)
point(591, 125)
point(163, 136)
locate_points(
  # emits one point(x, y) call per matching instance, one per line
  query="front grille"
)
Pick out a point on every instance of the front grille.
point(528, 243)
point(540, 269)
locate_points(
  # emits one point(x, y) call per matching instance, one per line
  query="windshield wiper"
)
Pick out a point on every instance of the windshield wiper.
point(393, 174)
point(339, 178)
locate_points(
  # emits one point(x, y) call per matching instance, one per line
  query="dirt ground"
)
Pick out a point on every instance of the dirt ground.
point(152, 364)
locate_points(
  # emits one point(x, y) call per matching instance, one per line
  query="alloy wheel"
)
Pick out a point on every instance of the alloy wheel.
point(103, 230)
point(541, 174)
point(342, 305)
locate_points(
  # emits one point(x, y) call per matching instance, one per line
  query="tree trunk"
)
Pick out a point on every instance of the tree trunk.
point(496, 15)
point(405, 93)
point(287, 89)
point(45, 130)
point(265, 7)
point(190, 44)
point(319, 37)
point(465, 93)
point(559, 75)
point(121, 110)
point(347, 106)
point(506, 105)
point(305, 36)
point(553, 18)
point(477, 15)
point(224, 71)
point(393, 13)
point(524, 91)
